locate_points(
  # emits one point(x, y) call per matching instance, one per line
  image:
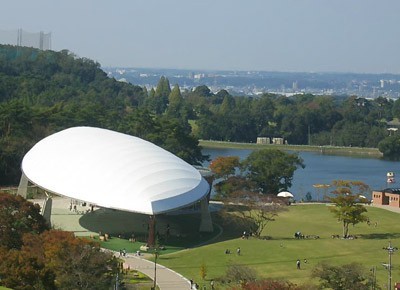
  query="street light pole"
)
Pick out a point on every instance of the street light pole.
point(390, 250)
point(373, 277)
point(155, 269)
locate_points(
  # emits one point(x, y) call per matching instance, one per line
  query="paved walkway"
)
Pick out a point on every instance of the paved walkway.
point(166, 278)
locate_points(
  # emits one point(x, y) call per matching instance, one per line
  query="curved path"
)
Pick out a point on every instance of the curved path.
point(167, 279)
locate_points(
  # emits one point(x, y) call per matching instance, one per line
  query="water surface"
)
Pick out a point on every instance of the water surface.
point(323, 169)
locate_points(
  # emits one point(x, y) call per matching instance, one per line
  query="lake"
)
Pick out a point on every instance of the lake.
point(323, 169)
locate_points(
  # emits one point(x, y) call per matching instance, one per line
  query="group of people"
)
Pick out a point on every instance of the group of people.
point(369, 223)
point(238, 251)
point(246, 235)
point(298, 235)
point(122, 253)
point(298, 263)
point(195, 286)
point(73, 207)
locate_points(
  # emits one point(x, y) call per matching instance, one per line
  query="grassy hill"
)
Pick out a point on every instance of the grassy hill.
point(276, 258)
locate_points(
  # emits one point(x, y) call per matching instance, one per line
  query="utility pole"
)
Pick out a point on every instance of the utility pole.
point(390, 250)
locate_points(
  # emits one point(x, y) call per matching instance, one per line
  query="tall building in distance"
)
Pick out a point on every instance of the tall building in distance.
point(295, 86)
point(20, 37)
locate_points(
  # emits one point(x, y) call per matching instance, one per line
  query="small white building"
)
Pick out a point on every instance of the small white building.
point(263, 140)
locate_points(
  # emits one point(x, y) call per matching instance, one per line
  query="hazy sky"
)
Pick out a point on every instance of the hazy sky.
point(270, 35)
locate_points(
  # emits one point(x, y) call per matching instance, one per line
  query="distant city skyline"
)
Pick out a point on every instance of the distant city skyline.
point(257, 35)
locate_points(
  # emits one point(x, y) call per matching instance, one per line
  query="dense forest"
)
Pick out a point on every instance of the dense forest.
point(42, 92)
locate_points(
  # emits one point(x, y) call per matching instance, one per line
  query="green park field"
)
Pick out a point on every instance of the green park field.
point(276, 256)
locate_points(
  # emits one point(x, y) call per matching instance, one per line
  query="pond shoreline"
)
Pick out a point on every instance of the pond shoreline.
point(328, 150)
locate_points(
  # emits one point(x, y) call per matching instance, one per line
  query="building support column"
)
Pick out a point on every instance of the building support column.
point(23, 186)
point(46, 208)
point(151, 241)
point(206, 221)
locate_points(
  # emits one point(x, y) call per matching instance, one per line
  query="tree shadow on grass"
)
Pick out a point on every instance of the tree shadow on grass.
point(183, 228)
point(233, 225)
point(172, 231)
point(380, 236)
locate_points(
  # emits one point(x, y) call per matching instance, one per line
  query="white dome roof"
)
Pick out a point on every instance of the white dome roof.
point(113, 170)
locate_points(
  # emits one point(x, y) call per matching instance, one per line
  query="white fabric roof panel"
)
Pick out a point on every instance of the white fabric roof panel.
point(113, 170)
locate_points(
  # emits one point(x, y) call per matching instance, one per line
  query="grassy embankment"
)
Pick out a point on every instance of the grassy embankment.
point(276, 258)
point(334, 150)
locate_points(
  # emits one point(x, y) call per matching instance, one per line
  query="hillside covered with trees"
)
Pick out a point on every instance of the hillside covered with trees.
point(42, 92)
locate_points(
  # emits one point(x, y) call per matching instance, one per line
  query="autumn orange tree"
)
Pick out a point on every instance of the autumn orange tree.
point(34, 257)
point(57, 260)
point(17, 217)
point(26, 268)
point(77, 263)
point(223, 167)
point(347, 207)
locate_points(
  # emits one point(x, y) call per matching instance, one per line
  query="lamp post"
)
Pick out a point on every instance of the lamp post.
point(116, 282)
point(390, 250)
point(373, 269)
point(155, 268)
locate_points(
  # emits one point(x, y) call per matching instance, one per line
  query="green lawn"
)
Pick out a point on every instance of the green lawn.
point(276, 258)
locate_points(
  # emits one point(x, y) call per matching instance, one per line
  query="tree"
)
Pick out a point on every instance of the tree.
point(270, 284)
point(222, 167)
point(271, 169)
point(202, 91)
point(26, 268)
point(257, 210)
point(171, 135)
point(390, 147)
point(203, 271)
point(78, 263)
point(225, 189)
point(162, 92)
point(17, 217)
point(240, 274)
point(175, 103)
point(57, 260)
point(343, 277)
point(346, 207)
point(396, 109)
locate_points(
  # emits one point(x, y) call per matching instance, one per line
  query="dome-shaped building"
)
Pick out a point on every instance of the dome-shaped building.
point(113, 170)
